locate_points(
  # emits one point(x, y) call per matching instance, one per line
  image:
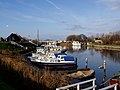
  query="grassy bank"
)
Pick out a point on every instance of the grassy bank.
point(107, 47)
point(20, 74)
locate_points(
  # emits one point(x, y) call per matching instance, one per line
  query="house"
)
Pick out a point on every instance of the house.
point(15, 37)
point(98, 41)
point(76, 43)
point(2, 39)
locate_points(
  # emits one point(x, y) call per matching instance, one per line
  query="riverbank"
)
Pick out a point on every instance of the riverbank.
point(21, 74)
point(107, 47)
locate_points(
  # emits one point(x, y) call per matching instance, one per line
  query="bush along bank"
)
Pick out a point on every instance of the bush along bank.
point(20, 74)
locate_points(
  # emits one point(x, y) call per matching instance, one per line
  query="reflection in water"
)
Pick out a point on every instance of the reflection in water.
point(77, 48)
point(104, 76)
point(103, 67)
point(91, 51)
point(112, 55)
point(95, 59)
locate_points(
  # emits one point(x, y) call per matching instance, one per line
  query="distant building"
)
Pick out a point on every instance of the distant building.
point(15, 37)
point(98, 41)
point(76, 43)
point(2, 39)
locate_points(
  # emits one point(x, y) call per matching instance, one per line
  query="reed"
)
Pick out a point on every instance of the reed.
point(53, 79)
point(45, 77)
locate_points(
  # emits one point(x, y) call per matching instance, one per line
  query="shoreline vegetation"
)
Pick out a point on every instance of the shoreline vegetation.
point(96, 46)
point(18, 73)
point(107, 47)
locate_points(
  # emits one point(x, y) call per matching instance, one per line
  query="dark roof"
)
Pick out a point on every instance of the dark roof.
point(15, 37)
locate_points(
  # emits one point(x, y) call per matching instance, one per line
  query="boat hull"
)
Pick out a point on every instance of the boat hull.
point(56, 65)
point(114, 80)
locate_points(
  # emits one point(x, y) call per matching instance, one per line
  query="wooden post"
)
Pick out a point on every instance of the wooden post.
point(104, 65)
point(86, 63)
point(76, 61)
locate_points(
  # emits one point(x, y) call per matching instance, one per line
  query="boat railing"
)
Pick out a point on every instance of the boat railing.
point(77, 85)
point(109, 87)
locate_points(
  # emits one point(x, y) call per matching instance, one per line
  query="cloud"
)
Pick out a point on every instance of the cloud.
point(75, 27)
point(100, 23)
point(113, 4)
point(37, 19)
point(111, 1)
point(30, 5)
point(115, 8)
point(116, 19)
point(76, 17)
point(104, 25)
point(64, 22)
point(53, 4)
point(59, 13)
point(26, 18)
point(71, 26)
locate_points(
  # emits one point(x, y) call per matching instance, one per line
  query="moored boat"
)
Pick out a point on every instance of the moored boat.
point(115, 79)
point(81, 73)
point(53, 59)
point(59, 60)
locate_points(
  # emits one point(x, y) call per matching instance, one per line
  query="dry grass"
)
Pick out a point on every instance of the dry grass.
point(53, 79)
point(47, 78)
point(18, 65)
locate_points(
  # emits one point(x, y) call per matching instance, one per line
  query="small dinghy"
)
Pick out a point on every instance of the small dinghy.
point(81, 73)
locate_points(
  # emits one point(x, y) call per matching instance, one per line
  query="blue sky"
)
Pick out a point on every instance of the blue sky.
point(56, 19)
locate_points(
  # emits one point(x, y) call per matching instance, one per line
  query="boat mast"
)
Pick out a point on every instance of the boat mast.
point(37, 37)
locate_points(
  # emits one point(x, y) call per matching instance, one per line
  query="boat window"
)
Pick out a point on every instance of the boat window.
point(58, 56)
point(61, 57)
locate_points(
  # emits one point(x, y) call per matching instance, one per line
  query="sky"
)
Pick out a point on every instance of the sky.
point(57, 19)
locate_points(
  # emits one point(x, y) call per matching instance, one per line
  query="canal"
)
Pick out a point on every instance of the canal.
point(95, 59)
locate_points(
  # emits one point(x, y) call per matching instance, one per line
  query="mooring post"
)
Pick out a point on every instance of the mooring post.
point(76, 61)
point(104, 65)
point(86, 63)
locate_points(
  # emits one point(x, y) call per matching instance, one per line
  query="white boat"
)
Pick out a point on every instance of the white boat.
point(76, 43)
point(54, 59)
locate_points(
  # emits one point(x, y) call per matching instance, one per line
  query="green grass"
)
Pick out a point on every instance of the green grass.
point(11, 47)
point(107, 45)
point(8, 46)
point(29, 45)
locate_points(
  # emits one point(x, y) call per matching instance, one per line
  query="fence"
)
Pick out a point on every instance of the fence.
point(77, 85)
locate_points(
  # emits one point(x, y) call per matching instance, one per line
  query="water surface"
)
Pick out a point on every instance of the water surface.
point(95, 59)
